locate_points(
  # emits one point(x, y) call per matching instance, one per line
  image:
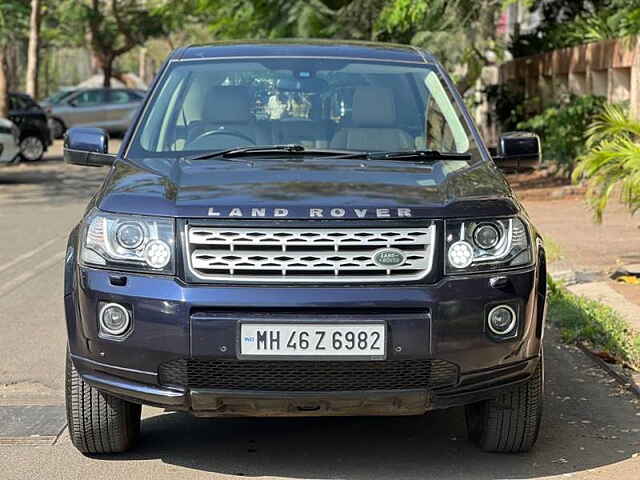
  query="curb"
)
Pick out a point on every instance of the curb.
point(627, 382)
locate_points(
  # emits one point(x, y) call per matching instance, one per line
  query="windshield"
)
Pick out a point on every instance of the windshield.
point(59, 96)
point(339, 104)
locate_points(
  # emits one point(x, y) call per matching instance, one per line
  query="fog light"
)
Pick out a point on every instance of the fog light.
point(114, 319)
point(460, 254)
point(502, 320)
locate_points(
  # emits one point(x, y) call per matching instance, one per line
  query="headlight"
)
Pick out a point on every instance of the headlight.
point(129, 242)
point(475, 246)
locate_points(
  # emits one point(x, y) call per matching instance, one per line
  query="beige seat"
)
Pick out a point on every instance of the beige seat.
point(228, 108)
point(373, 123)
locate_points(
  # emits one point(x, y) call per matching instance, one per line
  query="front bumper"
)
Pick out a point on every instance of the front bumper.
point(227, 403)
point(172, 320)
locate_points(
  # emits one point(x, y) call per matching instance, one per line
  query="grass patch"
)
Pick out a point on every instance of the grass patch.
point(552, 249)
point(582, 319)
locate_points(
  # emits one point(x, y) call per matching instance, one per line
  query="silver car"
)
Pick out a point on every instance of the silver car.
point(110, 109)
point(9, 141)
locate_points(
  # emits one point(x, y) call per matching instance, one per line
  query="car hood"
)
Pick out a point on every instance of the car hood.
point(305, 188)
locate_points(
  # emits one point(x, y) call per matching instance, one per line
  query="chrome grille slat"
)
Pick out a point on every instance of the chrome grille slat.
point(306, 254)
point(258, 259)
point(211, 236)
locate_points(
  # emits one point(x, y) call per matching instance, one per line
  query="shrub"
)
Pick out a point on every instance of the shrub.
point(562, 129)
point(509, 105)
point(612, 160)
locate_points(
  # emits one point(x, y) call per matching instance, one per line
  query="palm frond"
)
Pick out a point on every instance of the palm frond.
point(613, 161)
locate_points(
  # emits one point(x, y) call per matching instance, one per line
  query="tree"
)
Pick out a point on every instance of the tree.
point(12, 22)
point(461, 33)
point(112, 28)
point(34, 47)
point(266, 18)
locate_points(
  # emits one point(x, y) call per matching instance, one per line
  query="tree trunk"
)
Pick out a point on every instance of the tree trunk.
point(107, 72)
point(34, 44)
point(4, 94)
point(142, 65)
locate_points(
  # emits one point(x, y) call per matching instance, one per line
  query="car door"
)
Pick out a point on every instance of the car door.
point(86, 108)
point(18, 111)
point(121, 104)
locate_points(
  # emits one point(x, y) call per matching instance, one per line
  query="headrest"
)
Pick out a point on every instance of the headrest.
point(227, 105)
point(373, 107)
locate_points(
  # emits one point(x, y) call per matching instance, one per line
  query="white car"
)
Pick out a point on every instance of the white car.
point(9, 141)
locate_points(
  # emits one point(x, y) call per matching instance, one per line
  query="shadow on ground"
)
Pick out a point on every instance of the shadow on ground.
point(589, 422)
point(48, 181)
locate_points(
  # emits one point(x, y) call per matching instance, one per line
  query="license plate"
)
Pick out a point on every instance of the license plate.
point(313, 340)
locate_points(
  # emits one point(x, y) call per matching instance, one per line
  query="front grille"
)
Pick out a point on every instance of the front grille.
point(306, 254)
point(305, 376)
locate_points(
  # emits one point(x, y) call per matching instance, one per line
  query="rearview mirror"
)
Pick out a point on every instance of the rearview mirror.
point(518, 151)
point(87, 147)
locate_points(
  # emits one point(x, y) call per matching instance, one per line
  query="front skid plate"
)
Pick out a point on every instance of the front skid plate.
point(217, 403)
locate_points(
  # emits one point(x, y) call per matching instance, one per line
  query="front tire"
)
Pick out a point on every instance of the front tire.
point(98, 422)
point(57, 128)
point(510, 422)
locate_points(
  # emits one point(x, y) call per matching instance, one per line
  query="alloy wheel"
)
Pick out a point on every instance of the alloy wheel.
point(32, 148)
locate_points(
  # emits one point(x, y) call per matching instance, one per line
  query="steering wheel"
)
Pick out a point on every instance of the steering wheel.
point(230, 133)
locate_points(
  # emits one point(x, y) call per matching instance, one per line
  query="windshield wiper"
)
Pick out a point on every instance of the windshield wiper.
point(419, 155)
point(261, 149)
point(429, 155)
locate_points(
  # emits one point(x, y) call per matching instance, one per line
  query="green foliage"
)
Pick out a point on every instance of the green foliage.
point(509, 105)
point(460, 32)
point(115, 26)
point(613, 160)
point(552, 249)
point(14, 19)
point(266, 18)
point(584, 320)
point(563, 128)
point(436, 25)
point(570, 23)
point(409, 16)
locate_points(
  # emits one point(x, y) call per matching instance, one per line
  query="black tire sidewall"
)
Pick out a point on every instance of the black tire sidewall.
point(478, 416)
point(57, 124)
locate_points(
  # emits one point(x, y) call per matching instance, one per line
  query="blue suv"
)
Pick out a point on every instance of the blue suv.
point(304, 228)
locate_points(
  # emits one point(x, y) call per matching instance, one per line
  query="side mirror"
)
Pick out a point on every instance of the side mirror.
point(518, 151)
point(87, 147)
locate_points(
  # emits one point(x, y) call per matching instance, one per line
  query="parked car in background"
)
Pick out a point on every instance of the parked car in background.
point(57, 98)
point(111, 109)
point(9, 141)
point(31, 119)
